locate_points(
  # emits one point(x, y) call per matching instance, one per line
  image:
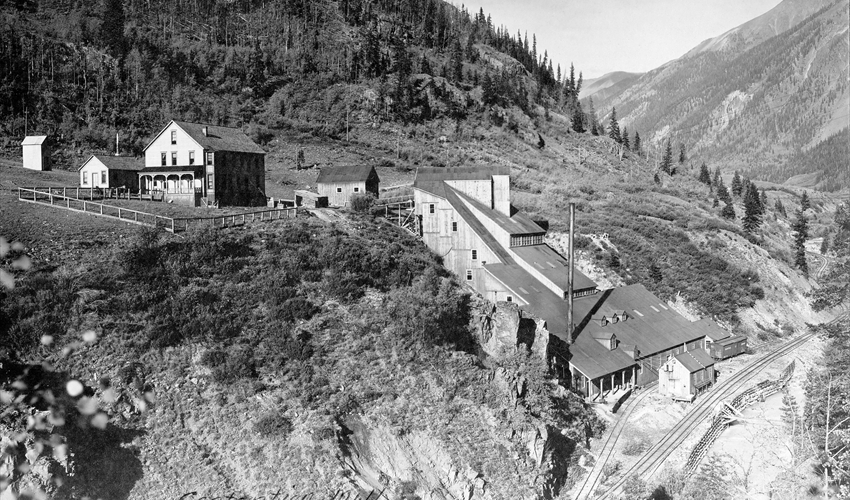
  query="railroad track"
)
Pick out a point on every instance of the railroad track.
point(652, 460)
point(593, 478)
point(823, 264)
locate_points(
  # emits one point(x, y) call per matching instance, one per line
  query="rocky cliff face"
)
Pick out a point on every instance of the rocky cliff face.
point(536, 455)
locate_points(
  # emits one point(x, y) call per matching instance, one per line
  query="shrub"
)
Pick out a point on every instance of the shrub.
point(296, 308)
point(362, 202)
point(273, 425)
point(636, 445)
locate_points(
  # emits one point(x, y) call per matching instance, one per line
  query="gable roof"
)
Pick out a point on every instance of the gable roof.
point(695, 360)
point(353, 173)
point(217, 138)
point(33, 140)
point(117, 162)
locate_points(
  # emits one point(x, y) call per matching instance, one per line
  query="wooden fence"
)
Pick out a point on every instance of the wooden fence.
point(96, 193)
point(171, 224)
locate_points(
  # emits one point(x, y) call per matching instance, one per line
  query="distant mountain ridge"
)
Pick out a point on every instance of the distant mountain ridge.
point(755, 97)
point(608, 84)
point(774, 22)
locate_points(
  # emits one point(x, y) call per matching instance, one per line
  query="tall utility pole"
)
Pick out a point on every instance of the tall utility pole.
point(570, 275)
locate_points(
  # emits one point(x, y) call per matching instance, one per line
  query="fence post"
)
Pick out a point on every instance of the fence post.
point(172, 225)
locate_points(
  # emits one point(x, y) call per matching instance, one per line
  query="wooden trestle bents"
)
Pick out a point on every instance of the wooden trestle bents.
point(729, 412)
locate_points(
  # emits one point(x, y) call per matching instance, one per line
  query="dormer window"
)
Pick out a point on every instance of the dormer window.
point(615, 319)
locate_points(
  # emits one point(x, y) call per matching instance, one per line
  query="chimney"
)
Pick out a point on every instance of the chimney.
point(205, 131)
point(570, 275)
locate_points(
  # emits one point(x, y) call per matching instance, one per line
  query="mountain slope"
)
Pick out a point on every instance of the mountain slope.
point(750, 104)
point(776, 21)
point(608, 84)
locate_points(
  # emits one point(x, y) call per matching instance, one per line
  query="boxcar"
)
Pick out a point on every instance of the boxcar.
point(728, 347)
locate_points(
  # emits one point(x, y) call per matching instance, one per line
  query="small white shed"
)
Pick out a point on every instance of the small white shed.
point(36, 152)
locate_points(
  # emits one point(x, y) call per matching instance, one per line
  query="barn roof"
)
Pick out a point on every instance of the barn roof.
point(695, 360)
point(117, 162)
point(353, 173)
point(588, 356)
point(652, 326)
point(217, 138)
point(553, 266)
point(454, 198)
point(711, 329)
point(476, 173)
point(33, 140)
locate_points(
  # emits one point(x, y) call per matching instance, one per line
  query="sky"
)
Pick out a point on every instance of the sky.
point(600, 36)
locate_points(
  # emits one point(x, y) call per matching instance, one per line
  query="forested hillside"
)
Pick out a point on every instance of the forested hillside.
point(762, 105)
point(86, 70)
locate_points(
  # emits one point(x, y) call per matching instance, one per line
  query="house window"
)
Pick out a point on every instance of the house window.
point(174, 158)
point(162, 158)
point(357, 190)
point(510, 299)
point(431, 208)
point(173, 137)
point(475, 255)
point(454, 226)
point(85, 179)
point(469, 275)
point(210, 181)
point(191, 157)
point(209, 158)
point(338, 190)
point(103, 177)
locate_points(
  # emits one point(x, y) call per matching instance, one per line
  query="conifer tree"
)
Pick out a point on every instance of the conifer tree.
point(716, 179)
point(636, 144)
point(704, 176)
point(667, 159)
point(722, 192)
point(626, 139)
point(800, 226)
point(752, 210)
point(682, 157)
point(728, 211)
point(614, 127)
point(805, 204)
point(763, 199)
point(779, 208)
point(656, 178)
point(600, 127)
point(593, 129)
point(715, 203)
point(578, 119)
point(737, 185)
point(824, 246)
point(112, 27)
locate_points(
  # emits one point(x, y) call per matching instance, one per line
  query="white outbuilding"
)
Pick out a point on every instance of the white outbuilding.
point(36, 152)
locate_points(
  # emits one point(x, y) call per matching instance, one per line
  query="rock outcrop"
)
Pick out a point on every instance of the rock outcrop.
point(502, 328)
